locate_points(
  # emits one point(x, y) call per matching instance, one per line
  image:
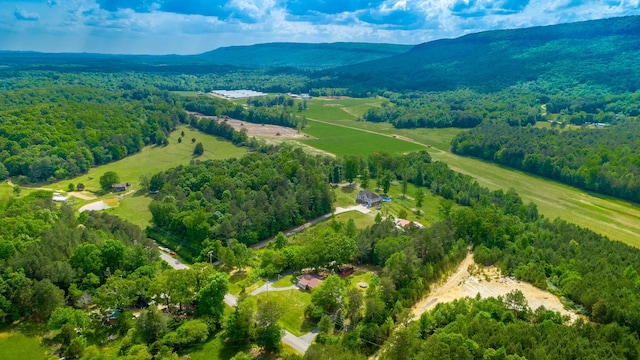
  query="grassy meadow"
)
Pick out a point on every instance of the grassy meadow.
point(152, 159)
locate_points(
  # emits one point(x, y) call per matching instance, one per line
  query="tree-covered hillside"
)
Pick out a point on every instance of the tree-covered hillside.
point(300, 55)
point(604, 52)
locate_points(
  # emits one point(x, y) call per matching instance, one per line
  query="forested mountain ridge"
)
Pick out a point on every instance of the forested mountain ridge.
point(596, 53)
point(301, 55)
point(601, 52)
point(271, 55)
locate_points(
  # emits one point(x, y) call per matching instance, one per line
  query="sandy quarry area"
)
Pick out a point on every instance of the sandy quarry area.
point(259, 130)
point(489, 283)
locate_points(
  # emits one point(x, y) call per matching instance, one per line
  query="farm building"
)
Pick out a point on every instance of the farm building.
point(119, 187)
point(403, 223)
point(368, 198)
point(309, 281)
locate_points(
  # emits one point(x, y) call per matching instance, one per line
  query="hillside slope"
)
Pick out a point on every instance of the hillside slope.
point(605, 52)
point(300, 55)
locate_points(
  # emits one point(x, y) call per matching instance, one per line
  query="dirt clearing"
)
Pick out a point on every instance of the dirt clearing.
point(258, 130)
point(488, 282)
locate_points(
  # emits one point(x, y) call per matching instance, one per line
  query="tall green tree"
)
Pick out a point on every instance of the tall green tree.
point(211, 298)
point(198, 150)
point(108, 179)
point(419, 196)
point(351, 167)
point(151, 325)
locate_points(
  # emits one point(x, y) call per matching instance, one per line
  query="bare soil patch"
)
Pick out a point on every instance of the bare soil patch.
point(488, 282)
point(258, 130)
point(84, 195)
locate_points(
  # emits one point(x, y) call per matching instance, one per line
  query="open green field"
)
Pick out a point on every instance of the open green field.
point(17, 346)
point(613, 218)
point(152, 159)
point(340, 140)
point(324, 108)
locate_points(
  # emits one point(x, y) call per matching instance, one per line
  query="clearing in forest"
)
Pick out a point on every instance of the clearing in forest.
point(471, 279)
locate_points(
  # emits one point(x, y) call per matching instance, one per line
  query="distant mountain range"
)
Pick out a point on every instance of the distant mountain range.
point(605, 52)
point(601, 52)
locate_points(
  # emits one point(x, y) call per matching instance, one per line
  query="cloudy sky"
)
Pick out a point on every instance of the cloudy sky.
point(195, 26)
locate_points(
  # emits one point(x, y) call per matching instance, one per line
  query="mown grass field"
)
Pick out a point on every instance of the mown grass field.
point(294, 302)
point(152, 159)
point(613, 218)
point(342, 141)
point(18, 346)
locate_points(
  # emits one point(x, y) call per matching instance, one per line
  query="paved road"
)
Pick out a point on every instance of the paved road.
point(173, 262)
point(300, 344)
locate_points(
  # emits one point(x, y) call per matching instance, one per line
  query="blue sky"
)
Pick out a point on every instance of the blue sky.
point(196, 26)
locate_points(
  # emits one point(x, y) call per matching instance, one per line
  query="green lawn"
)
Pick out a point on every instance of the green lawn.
point(17, 346)
point(153, 159)
point(214, 349)
point(285, 282)
point(361, 220)
point(5, 190)
point(339, 109)
point(294, 302)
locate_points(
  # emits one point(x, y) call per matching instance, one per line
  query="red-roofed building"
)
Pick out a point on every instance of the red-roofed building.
point(309, 281)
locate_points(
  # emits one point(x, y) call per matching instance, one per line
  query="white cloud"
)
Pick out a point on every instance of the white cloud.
point(82, 25)
point(24, 15)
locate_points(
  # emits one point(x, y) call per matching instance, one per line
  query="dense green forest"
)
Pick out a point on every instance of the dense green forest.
point(603, 160)
point(51, 258)
point(466, 108)
point(248, 199)
point(54, 133)
point(506, 329)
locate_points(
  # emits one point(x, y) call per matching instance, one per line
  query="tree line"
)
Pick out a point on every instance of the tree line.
point(604, 160)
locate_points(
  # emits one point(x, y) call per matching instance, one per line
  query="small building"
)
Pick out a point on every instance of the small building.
point(346, 270)
point(120, 187)
point(309, 281)
point(368, 198)
point(404, 223)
